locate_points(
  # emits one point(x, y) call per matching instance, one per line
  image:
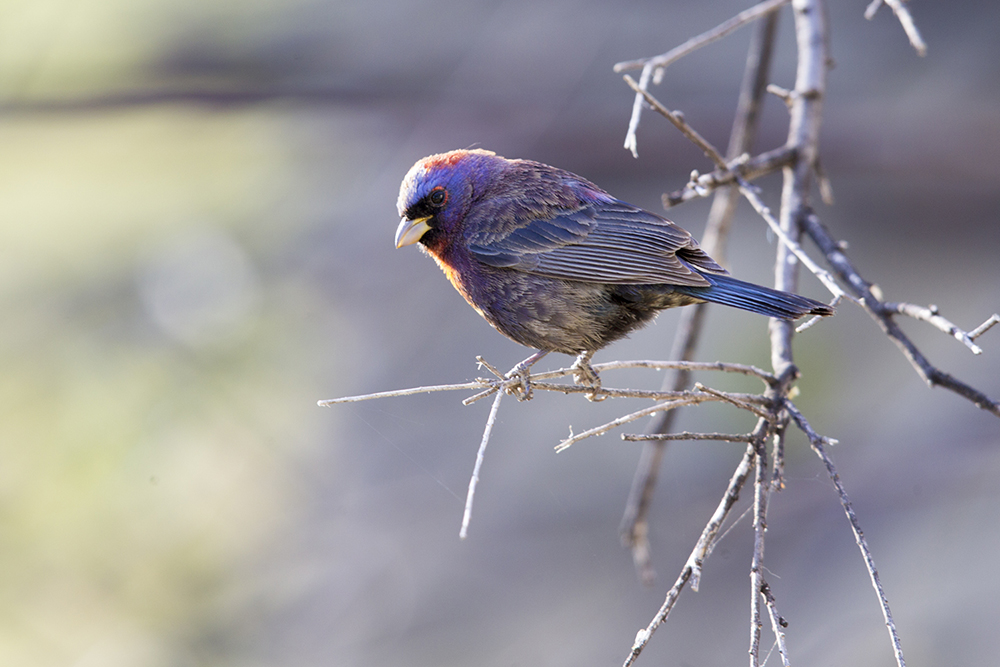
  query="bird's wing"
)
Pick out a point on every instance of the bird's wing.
point(607, 241)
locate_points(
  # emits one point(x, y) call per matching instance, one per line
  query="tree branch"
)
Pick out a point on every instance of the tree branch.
point(903, 14)
point(633, 527)
point(818, 443)
point(840, 263)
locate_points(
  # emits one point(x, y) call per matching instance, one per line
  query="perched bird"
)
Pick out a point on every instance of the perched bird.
point(556, 263)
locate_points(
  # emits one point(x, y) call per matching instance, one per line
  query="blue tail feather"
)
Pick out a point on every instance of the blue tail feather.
point(756, 298)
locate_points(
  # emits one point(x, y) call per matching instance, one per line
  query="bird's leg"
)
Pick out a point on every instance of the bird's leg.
point(584, 374)
point(521, 371)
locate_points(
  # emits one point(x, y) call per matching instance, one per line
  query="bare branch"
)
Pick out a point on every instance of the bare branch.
point(903, 14)
point(725, 367)
point(503, 382)
point(633, 528)
point(777, 622)
point(624, 419)
point(818, 445)
point(631, 138)
point(782, 230)
point(793, 246)
point(840, 263)
point(701, 185)
point(931, 315)
point(653, 67)
point(692, 568)
point(760, 497)
point(718, 32)
point(685, 435)
point(474, 480)
point(677, 118)
point(733, 399)
point(985, 326)
point(805, 114)
point(477, 384)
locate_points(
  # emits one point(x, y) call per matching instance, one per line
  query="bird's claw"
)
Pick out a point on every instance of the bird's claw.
point(520, 390)
point(585, 375)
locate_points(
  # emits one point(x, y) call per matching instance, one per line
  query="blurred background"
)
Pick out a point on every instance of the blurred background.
point(197, 206)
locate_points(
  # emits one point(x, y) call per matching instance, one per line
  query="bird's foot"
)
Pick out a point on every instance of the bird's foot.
point(585, 375)
point(522, 390)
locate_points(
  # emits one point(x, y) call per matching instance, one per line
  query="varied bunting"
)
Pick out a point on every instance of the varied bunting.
point(556, 263)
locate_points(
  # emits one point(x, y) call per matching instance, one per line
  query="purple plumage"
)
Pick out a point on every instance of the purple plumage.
point(556, 263)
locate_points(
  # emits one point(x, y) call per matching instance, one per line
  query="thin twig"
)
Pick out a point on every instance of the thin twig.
point(745, 188)
point(751, 168)
point(748, 402)
point(474, 480)
point(840, 263)
point(400, 392)
point(778, 454)
point(652, 68)
point(495, 385)
point(985, 326)
point(695, 43)
point(733, 399)
point(634, 527)
point(760, 497)
point(692, 568)
point(933, 317)
point(677, 119)
point(778, 623)
point(685, 435)
point(631, 136)
point(624, 419)
point(818, 445)
point(793, 246)
point(722, 366)
point(903, 14)
point(872, 8)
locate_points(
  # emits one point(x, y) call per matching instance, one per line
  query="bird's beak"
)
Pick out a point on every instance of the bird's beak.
point(410, 231)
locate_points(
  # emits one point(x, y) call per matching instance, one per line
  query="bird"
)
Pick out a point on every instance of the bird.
point(557, 264)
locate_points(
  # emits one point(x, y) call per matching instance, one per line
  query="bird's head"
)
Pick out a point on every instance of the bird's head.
point(437, 191)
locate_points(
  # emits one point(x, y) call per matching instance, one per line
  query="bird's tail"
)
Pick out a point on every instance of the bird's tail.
point(755, 298)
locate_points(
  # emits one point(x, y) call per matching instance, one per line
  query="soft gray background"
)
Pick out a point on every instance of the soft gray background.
point(198, 203)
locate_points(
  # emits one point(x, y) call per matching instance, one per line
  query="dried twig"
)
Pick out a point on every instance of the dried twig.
point(840, 263)
point(742, 401)
point(695, 43)
point(503, 382)
point(633, 528)
point(818, 443)
point(652, 68)
point(992, 320)
point(685, 435)
point(903, 14)
point(746, 189)
point(760, 497)
point(474, 480)
point(747, 168)
point(931, 315)
point(777, 622)
point(691, 572)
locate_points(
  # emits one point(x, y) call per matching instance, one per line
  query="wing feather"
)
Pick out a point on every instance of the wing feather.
point(607, 241)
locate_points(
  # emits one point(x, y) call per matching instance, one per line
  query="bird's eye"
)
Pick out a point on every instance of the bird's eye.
point(438, 196)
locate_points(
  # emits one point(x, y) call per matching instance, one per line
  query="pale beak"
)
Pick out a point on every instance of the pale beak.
point(410, 231)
